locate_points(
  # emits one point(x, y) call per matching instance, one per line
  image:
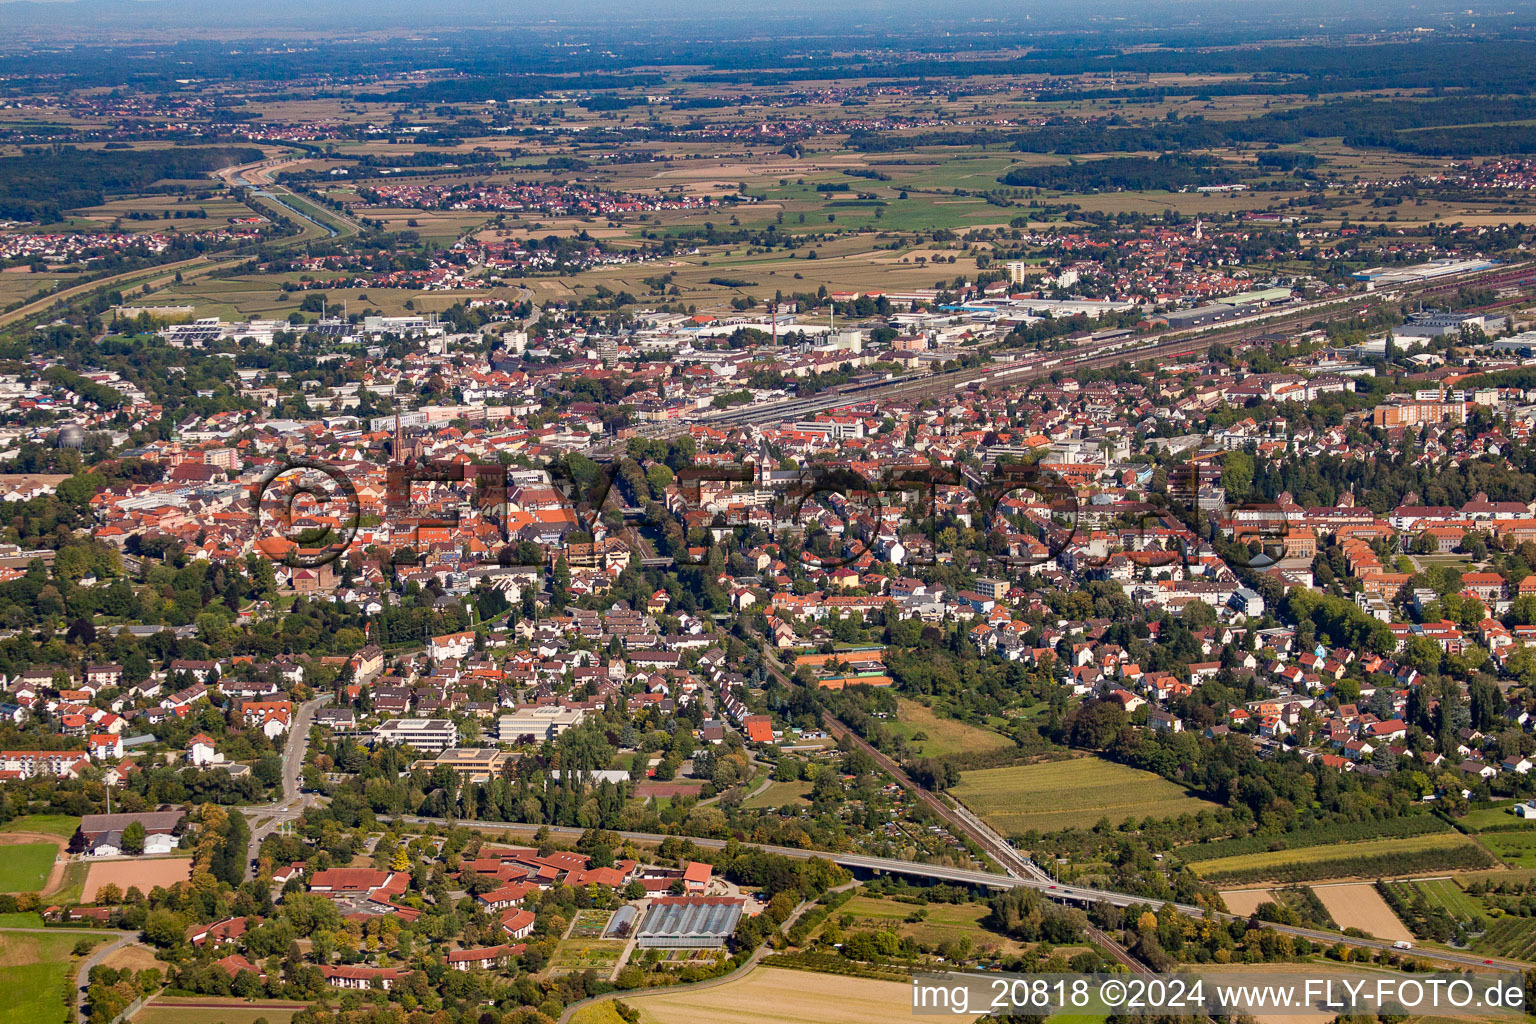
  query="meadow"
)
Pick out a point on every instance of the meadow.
point(1071, 794)
point(780, 793)
point(1517, 849)
point(942, 735)
point(38, 976)
point(62, 825)
point(930, 923)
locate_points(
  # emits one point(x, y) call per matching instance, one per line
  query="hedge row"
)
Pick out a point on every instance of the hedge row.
point(1460, 857)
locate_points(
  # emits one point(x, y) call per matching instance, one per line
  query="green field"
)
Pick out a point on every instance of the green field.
point(39, 975)
point(1501, 815)
point(1071, 794)
point(21, 920)
point(1517, 849)
point(942, 736)
point(25, 867)
point(597, 1013)
point(780, 793)
point(1330, 859)
point(930, 923)
point(62, 825)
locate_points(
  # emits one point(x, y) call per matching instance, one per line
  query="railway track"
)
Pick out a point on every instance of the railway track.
point(1024, 369)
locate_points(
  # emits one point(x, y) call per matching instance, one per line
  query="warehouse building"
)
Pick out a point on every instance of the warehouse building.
point(689, 922)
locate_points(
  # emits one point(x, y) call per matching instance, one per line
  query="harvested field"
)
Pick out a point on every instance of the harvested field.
point(775, 996)
point(146, 874)
point(1359, 905)
point(1246, 901)
point(205, 1010)
point(136, 957)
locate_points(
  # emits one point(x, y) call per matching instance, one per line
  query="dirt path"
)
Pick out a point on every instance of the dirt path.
point(60, 859)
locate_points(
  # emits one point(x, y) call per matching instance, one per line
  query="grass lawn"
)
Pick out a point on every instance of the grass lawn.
point(1071, 794)
point(1489, 817)
point(25, 867)
point(73, 888)
point(62, 825)
point(38, 977)
point(21, 920)
point(1360, 853)
point(941, 736)
point(780, 793)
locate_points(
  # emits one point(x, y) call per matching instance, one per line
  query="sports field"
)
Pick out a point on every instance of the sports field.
point(146, 874)
point(25, 867)
point(1071, 794)
point(62, 825)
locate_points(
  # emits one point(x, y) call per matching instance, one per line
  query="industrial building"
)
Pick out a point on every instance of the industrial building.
point(689, 922)
point(1440, 325)
point(1202, 316)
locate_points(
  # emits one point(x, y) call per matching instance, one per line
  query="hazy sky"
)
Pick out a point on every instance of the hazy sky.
point(707, 17)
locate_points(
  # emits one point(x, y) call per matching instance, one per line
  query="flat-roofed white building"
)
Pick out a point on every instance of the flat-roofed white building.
point(538, 723)
point(426, 734)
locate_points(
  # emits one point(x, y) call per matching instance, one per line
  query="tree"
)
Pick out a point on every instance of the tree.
point(133, 838)
point(1237, 474)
